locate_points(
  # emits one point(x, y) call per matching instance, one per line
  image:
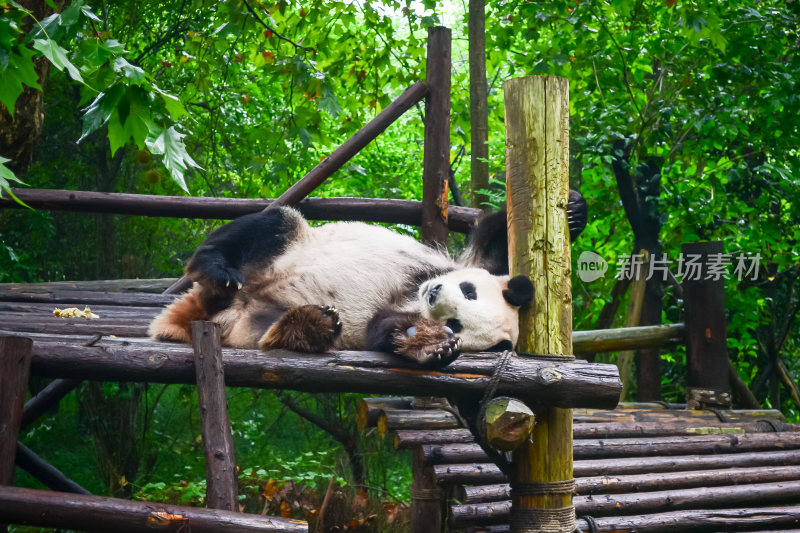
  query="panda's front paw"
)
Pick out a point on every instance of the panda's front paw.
point(307, 328)
point(428, 343)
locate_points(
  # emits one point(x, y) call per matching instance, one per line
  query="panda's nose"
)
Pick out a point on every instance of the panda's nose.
point(433, 293)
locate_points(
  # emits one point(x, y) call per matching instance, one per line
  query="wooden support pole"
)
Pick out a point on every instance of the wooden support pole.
point(93, 513)
point(15, 364)
point(478, 105)
point(537, 173)
point(426, 497)
point(47, 398)
point(436, 159)
point(706, 329)
point(50, 476)
point(222, 488)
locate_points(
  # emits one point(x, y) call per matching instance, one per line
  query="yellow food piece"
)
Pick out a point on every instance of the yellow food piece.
point(74, 312)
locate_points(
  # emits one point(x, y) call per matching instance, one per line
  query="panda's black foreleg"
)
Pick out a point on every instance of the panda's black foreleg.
point(426, 342)
point(253, 239)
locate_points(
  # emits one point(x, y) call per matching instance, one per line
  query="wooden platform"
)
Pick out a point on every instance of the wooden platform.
point(641, 467)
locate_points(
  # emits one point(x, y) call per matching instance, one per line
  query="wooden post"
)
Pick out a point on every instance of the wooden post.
point(537, 174)
point(478, 105)
point(222, 488)
point(706, 330)
point(15, 364)
point(436, 159)
point(426, 496)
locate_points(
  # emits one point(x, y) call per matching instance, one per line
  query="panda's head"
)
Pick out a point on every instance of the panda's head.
point(482, 309)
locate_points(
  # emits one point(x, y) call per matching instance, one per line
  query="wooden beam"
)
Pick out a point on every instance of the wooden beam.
point(46, 399)
point(222, 486)
point(93, 513)
point(390, 210)
point(436, 157)
point(531, 380)
point(49, 475)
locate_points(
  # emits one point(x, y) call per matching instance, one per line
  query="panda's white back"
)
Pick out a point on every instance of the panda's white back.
point(356, 268)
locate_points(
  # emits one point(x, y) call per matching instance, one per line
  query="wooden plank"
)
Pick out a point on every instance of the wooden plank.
point(154, 286)
point(222, 488)
point(93, 513)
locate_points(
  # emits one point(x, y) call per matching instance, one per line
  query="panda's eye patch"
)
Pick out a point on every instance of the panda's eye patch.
point(468, 290)
point(454, 324)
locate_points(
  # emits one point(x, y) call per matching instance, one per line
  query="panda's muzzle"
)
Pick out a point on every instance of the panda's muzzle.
point(433, 293)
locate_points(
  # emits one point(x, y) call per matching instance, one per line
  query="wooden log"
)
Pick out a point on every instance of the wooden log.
point(706, 328)
point(389, 210)
point(617, 339)
point(645, 482)
point(508, 423)
point(635, 304)
point(436, 153)
point(155, 285)
point(93, 513)
point(76, 326)
point(529, 379)
point(46, 399)
point(222, 487)
point(405, 439)
point(537, 185)
point(672, 416)
point(68, 298)
point(15, 362)
point(50, 476)
point(478, 103)
point(613, 448)
point(643, 502)
point(394, 419)
point(702, 520)
point(662, 429)
point(368, 410)
point(11, 308)
point(410, 438)
point(488, 473)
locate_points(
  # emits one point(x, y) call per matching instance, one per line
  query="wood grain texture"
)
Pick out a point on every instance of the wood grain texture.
point(15, 362)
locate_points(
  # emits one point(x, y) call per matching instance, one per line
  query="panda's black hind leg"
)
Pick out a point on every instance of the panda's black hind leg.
point(253, 239)
point(426, 342)
point(306, 328)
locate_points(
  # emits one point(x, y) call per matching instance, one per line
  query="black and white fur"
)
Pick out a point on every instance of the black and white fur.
point(272, 281)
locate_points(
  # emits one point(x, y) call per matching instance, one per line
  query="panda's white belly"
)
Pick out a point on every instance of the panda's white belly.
point(354, 267)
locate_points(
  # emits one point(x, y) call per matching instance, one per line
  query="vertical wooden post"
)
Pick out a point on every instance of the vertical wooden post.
point(537, 174)
point(436, 159)
point(15, 365)
point(478, 105)
point(221, 483)
point(706, 331)
point(426, 496)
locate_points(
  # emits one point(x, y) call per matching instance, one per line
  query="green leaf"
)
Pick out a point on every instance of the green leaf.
point(173, 105)
point(57, 56)
point(329, 103)
point(99, 111)
point(20, 70)
point(169, 143)
point(132, 72)
point(86, 10)
point(7, 176)
point(70, 15)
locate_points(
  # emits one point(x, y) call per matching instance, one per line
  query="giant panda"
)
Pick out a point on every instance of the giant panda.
point(270, 280)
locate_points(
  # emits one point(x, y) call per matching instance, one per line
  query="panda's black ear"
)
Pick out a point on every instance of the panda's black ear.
point(519, 291)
